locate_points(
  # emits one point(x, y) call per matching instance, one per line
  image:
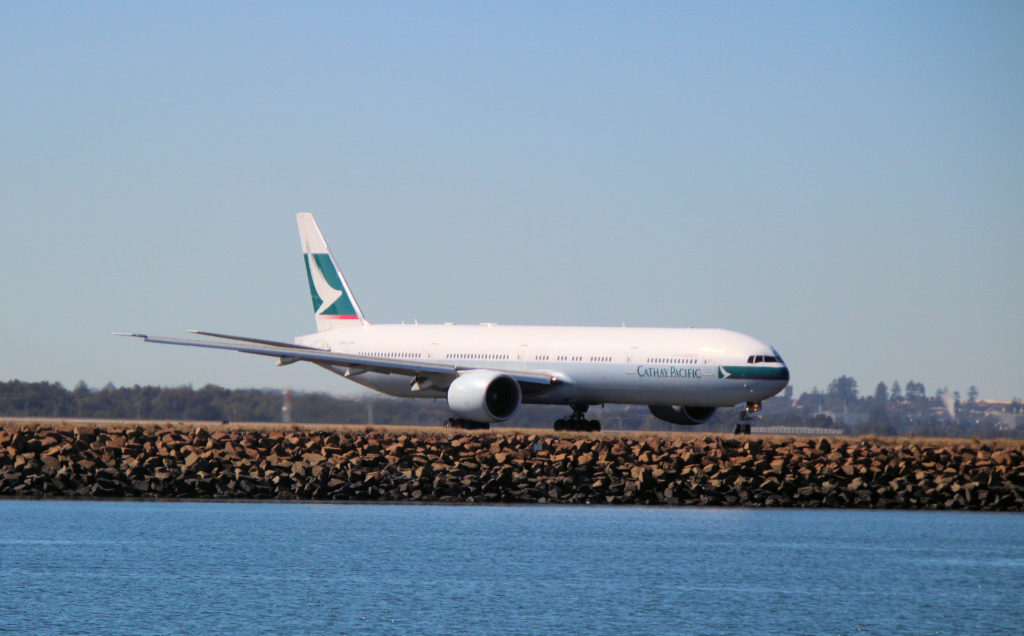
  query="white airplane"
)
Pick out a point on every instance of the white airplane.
point(487, 371)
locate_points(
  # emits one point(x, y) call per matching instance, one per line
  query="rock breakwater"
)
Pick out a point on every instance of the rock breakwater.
point(508, 467)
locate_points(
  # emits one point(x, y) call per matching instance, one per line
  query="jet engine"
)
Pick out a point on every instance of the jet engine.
point(485, 396)
point(685, 415)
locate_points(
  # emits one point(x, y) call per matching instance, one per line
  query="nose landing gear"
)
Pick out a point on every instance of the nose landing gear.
point(746, 418)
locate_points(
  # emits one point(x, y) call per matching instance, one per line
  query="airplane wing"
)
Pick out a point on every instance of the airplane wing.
point(287, 353)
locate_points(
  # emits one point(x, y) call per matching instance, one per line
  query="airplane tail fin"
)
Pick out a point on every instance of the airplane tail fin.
point(333, 303)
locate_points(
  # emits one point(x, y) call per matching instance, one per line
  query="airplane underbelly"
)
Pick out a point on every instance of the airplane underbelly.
point(647, 385)
point(702, 388)
point(395, 385)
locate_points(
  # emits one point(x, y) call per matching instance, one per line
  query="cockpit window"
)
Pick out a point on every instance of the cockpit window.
point(763, 359)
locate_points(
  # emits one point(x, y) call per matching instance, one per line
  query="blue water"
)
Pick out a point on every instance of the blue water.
point(128, 568)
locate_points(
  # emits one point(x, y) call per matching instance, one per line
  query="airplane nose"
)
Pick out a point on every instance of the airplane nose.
point(784, 375)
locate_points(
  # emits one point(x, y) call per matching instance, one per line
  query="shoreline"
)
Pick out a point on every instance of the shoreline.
point(154, 460)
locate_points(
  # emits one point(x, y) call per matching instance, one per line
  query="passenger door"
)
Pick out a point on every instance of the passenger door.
point(632, 360)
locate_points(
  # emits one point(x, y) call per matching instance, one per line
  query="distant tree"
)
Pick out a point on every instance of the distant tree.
point(822, 421)
point(881, 393)
point(972, 394)
point(897, 393)
point(878, 423)
point(843, 388)
point(916, 391)
point(811, 401)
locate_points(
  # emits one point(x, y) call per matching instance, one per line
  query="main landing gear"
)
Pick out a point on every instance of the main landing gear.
point(746, 418)
point(458, 422)
point(578, 421)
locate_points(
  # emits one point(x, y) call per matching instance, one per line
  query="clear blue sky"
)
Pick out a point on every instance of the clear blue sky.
point(842, 180)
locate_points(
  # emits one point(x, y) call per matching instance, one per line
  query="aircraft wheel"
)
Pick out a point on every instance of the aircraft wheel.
point(594, 426)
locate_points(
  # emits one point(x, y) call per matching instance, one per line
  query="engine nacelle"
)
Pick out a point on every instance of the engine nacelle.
point(685, 415)
point(485, 396)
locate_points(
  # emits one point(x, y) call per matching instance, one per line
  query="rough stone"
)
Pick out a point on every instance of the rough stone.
point(375, 464)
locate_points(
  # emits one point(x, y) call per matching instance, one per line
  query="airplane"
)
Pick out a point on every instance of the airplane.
point(487, 371)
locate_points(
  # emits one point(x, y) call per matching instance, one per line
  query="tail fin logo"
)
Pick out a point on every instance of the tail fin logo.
point(329, 297)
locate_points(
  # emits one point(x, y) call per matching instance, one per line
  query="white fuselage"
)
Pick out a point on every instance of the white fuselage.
point(595, 365)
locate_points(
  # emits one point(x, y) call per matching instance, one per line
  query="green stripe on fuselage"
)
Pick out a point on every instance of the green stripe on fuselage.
point(753, 373)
